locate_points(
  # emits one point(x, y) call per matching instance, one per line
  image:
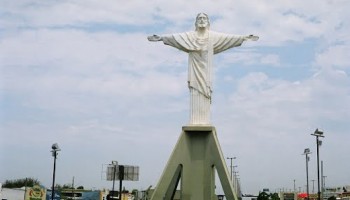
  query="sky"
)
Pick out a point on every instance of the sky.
point(83, 74)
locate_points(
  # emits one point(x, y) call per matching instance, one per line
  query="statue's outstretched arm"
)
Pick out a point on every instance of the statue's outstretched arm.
point(251, 37)
point(154, 38)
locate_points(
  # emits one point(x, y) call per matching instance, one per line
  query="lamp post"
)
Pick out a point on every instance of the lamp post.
point(239, 191)
point(236, 182)
point(307, 158)
point(54, 150)
point(318, 134)
point(323, 184)
point(231, 167)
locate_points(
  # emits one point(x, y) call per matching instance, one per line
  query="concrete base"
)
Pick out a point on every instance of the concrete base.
point(193, 162)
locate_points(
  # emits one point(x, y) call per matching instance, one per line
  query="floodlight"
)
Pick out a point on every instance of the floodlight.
point(55, 147)
point(320, 142)
point(318, 132)
point(54, 150)
point(307, 151)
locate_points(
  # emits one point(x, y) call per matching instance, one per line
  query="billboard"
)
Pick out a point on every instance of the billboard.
point(112, 172)
point(131, 173)
point(127, 172)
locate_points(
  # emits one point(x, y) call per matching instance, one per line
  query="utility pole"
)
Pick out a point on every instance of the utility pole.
point(231, 166)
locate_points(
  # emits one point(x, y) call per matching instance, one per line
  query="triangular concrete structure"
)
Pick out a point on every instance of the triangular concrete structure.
point(193, 161)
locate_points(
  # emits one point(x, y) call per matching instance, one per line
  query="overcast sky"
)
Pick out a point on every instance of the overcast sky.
point(82, 74)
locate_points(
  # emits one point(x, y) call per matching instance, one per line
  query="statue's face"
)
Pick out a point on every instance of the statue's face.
point(202, 21)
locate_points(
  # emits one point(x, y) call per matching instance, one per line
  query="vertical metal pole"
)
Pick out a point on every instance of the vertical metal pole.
point(121, 177)
point(231, 168)
point(73, 188)
point(233, 178)
point(307, 176)
point(322, 179)
point(25, 189)
point(114, 170)
point(54, 173)
point(318, 170)
point(239, 192)
point(235, 181)
point(236, 184)
point(324, 185)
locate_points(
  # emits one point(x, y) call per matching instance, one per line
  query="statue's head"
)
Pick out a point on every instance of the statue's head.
point(202, 21)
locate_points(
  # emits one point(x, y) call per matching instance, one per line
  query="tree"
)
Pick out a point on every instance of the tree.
point(274, 196)
point(23, 182)
point(67, 186)
point(58, 187)
point(135, 192)
point(263, 196)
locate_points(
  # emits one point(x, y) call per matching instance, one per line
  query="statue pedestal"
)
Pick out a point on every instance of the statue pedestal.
point(193, 162)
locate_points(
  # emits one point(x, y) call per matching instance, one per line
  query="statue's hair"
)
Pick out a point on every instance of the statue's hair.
point(197, 20)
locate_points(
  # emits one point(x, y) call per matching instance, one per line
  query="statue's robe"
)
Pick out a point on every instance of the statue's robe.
point(200, 55)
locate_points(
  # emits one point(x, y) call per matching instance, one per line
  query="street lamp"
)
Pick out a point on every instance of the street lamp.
point(54, 150)
point(236, 182)
point(239, 191)
point(318, 134)
point(307, 158)
point(231, 158)
point(323, 184)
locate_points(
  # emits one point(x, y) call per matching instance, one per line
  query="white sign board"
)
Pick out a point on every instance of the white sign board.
point(112, 172)
point(131, 173)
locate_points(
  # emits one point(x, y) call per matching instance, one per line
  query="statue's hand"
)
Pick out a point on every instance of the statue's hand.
point(154, 38)
point(252, 37)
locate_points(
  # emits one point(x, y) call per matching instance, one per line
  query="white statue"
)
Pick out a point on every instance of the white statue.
point(201, 45)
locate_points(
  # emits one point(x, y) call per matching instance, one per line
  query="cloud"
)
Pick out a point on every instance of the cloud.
point(269, 121)
point(335, 56)
point(271, 60)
